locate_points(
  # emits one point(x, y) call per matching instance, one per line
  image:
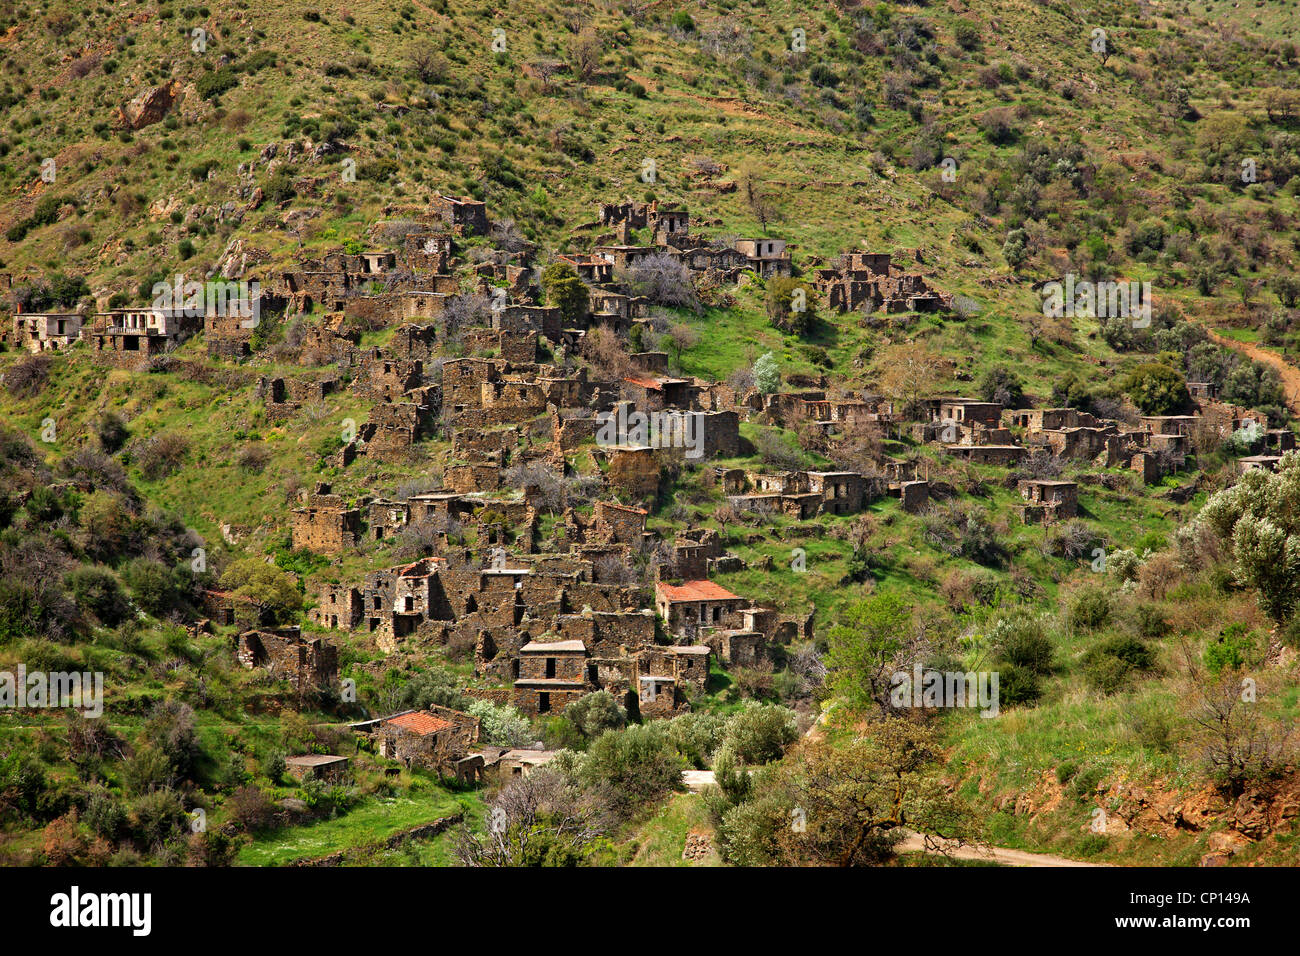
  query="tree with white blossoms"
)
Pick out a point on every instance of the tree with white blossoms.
point(1260, 516)
point(767, 376)
point(500, 724)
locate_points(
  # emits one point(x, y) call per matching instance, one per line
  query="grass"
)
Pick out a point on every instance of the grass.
point(360, 828)
point(660, 840)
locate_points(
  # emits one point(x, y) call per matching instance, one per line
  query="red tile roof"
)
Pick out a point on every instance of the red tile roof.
point(420, 722)
point(649, 383)
point(697, 591)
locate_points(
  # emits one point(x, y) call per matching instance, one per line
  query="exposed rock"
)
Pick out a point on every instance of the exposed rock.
point(698, 847)
point(162, 208)
point(149, 106)
point(1251, 815)
point(1227, 842)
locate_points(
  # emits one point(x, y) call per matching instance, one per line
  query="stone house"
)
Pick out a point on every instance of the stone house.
point(591, 268)
point(913, 495)
point(330, 768)
point(988, 454)
point(427, 251)
point(871, 281)
point(228, 336)
point(551, 675)
point(124, 335)
point(624, 257)
point(433, 739)
point(693, 605)
point(462, 216)
point(231, 610)
point(843, 492)
point(969, 411)
point(1258, 463)
point(616, 523)
point(46, 331)
point(1084, 442)
point(767, 257)
point(520, 763)
point(633, 470)
point(324, 524)
point(1280, 440)
point(338, 606)
point(669, 224)
point(1037, 419)
point(1147, 467)
point(544, 320)
point(306, 663)
point(1058, 500)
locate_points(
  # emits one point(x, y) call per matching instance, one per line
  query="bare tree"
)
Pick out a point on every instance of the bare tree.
point(586, 50)
point(538, 809)
point(1235, 741)
point(662, 279)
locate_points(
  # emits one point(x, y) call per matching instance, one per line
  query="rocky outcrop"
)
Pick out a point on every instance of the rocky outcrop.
point(149, 106)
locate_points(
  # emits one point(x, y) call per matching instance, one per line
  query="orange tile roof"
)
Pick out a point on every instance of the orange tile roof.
point(697, 591)
point(649, 383)
point(420, 722)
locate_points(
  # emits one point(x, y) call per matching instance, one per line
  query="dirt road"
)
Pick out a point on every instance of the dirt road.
point(1290, 374)
point(915, 843)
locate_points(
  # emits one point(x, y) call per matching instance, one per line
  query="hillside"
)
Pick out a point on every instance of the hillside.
point(386, 422)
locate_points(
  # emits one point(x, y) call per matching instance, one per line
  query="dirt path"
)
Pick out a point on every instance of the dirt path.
point(1290, 374)
point(916, 843)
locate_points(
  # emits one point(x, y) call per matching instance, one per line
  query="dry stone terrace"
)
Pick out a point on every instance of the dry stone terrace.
point(551, 618)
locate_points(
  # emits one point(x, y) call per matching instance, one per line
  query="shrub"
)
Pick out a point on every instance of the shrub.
point(151, 585)
point(966, 34)
point(26, 377)
point(759, 733)
point(1001, 384)
point(791, 304)
point(1233, 649)
point(696, 735)
point(1017, 685)
point(566, 291)
point(279, 188)
point(663, 280)
point(254, 457)
point(1108, 666)
point(1151, 623)
point(97, 591)
point(1089, 609)
point(629, 768)
point(1157, 389)
point(250, 810)
point(111, 430)
point(823, 76)
point(215, 82)
point(596, 713)
point(1020, 642)
point(433, 686)
point(161, 455)
point(271, 590)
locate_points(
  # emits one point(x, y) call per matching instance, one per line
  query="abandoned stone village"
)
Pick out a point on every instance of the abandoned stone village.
point(553, 618)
